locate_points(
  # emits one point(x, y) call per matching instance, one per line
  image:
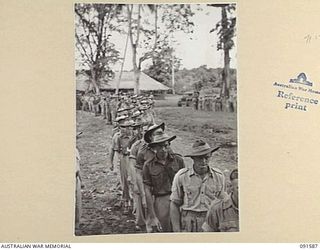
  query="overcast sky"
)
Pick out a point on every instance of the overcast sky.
point(200, 50)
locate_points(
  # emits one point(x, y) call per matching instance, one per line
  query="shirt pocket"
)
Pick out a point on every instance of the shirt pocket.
point(192, 192)
point(213, 191)
point(157, 176)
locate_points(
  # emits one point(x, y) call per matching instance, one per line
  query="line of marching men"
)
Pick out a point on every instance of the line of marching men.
point(157, 187)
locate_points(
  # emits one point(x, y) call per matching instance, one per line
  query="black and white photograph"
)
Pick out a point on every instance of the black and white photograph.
point(156, 118)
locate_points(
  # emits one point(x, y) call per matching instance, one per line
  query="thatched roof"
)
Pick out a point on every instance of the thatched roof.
point(82, 81)
point(127, 82)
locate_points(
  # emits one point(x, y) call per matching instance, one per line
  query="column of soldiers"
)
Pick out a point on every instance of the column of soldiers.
point(157, 187)
point(209, 103)
point(214, 103)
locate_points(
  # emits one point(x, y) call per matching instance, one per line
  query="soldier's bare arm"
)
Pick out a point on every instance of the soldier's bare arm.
point(112, 149)
point(176, 201)
point(175, 216)
point(153, 221)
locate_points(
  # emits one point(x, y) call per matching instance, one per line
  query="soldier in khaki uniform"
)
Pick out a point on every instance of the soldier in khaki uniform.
point(136, 116)
point(194, 189)
point(201, 103)
point(113, 107)
point(158, 174)
point(223, 216)
point(218, 104)
point(135, 181)
point(120, 145)
point(108, 111)
point(147, 116)
point(139, 154)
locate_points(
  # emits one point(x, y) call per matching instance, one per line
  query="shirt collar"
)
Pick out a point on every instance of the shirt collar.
point(163, 163)
point(169, 158)
point(192, 172)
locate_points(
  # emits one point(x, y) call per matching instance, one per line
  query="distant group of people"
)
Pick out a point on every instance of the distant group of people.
point(109, 105)
point(156, 186)
point(213, 103)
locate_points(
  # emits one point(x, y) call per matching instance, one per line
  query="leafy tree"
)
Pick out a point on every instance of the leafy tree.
point(226, 30)
point(94, 23)
point(163, 62)
point(202, 78)
point(174, 17)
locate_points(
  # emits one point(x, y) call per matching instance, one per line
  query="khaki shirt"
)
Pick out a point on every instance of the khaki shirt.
point(223, 216)
point(144, 154)
point(120, 143)
point(148, 118)
point(159, 176)
point(193, 193)
point(135, 149)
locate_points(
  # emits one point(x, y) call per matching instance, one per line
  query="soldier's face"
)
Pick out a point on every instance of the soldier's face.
point(201, 163)
point(136, 131)
point(161, 150)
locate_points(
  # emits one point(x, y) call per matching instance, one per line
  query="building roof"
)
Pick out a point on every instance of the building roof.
point(127, 82)
point(82, 81)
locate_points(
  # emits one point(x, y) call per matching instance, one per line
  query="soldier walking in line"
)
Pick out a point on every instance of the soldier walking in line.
point(195, 103)
point(113, 107)
point(139, 154)
point(223, 215)
point(210, 99)
point(108, 111)
point(194, 189)
point(158, 174)
point(120, 145)
point(219, 104)
point(135, 179)
point(201, 102)
point(206, 103)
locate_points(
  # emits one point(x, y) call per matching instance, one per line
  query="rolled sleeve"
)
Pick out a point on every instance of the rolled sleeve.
point(115, 143)
point(147, 180)
point(181, 163)
point(224, 184)
point(177, 191)
point(134, 150)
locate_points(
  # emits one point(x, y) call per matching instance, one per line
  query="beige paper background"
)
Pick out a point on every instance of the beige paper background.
point(278, 148)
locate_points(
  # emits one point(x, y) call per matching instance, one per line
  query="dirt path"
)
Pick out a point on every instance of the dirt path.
point(100, 193)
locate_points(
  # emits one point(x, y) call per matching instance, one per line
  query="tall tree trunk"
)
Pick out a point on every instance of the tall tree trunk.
point(94, 80)
point(226, 71)
point(137, 73)
point(173, 82)
point(134, 44)
point(155, 32)
point(124, 58)
point(136, 70)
